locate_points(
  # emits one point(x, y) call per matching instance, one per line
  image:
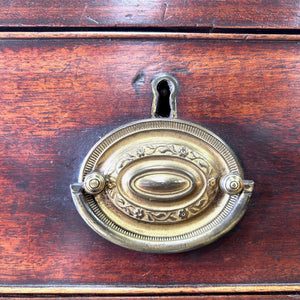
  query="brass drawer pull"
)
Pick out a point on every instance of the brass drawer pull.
point(162, 184)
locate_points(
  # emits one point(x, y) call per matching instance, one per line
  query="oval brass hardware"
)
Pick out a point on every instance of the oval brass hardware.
point(162, 184)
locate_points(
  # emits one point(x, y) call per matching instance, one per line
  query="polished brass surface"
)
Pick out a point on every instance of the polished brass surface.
point(163, 184)
point(94, 183)
point(231, 184)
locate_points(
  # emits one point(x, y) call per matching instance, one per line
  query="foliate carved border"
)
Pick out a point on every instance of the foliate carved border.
point(156, 216)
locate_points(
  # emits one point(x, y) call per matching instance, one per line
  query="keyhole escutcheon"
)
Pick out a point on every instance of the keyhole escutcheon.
point(165, 89)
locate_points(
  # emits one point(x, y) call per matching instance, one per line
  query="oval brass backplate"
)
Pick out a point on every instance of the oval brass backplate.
point(161, 185)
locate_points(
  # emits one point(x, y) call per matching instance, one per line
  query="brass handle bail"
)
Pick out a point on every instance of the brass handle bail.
point(162, 184)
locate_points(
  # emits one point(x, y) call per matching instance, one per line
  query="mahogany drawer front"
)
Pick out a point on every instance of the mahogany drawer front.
point(58, 96)
point(214, 14)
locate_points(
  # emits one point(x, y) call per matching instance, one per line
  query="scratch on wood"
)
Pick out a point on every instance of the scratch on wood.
point(83, 12)
point(165, 11)
point(145, 274)
point(212, 25)
point(91, 19)
point(66, 67)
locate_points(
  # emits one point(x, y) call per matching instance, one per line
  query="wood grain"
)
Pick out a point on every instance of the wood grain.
point(145, 35)
point(160, 13)
point(59, 96)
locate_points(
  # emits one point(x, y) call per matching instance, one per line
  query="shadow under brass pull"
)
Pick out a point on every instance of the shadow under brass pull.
point(162, 184)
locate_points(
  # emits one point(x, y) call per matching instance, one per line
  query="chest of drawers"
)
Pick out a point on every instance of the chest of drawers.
point(72, 73)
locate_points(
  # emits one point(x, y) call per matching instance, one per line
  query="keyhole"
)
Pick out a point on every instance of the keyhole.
point(163, 108)
point(165, 88)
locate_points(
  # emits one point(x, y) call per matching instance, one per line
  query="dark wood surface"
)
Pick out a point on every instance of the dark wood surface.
point(213, 14)
point(58, 97)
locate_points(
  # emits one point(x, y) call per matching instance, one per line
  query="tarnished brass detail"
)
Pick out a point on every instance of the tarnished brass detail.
point(231, 184)
point(163, 184)
point(94, 183)
point(166, 163)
